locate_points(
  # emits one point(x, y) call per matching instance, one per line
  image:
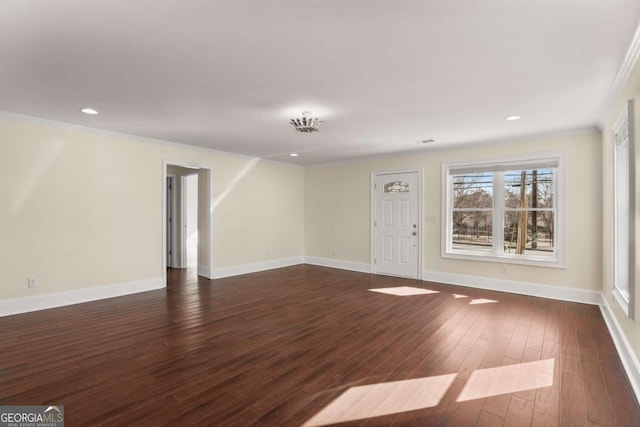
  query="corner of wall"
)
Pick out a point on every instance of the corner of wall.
point(625, 351)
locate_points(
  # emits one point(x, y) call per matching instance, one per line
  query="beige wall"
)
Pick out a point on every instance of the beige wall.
point(260, 213)
point(338, 209)
point(631, 91)
point(83, 208)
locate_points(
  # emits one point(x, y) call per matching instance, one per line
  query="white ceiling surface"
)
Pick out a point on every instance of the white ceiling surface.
point(229, 74)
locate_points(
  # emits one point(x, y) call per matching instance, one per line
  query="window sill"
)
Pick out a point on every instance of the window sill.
point(505, 259)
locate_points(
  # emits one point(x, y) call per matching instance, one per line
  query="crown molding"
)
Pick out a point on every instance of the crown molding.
point(22, 118)
point(630, 60)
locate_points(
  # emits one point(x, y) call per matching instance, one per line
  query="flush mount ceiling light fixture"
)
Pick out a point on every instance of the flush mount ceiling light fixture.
point(513, 118)
point(88, 110)
point(306, 124)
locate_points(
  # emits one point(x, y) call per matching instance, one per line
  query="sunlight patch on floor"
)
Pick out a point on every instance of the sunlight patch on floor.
point(508, 379)
point(403, 291)
point(459, 296)
point(482, 301)
point(376, 400)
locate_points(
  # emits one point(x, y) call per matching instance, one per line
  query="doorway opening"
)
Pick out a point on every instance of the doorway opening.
point(187, 219)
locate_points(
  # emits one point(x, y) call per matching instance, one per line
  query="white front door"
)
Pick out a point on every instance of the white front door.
point(396, 233)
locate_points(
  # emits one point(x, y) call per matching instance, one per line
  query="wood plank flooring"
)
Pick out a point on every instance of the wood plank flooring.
point(312, 345)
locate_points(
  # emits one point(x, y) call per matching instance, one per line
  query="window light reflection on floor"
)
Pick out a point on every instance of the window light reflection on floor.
point(456, 296)
point(482, 301)
point(375, 400)
point(403, 291)
point(508, 379)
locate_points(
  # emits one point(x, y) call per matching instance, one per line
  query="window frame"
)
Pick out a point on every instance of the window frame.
point(624, 124)
point(498, 168)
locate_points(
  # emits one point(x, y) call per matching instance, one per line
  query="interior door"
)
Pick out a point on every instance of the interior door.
point(170, 221)
point(397, 237)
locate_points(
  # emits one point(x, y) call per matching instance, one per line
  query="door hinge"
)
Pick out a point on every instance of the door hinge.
point(375, 261)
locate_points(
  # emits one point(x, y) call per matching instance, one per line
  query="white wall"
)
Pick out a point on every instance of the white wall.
point(338, 211)
point(83, 208)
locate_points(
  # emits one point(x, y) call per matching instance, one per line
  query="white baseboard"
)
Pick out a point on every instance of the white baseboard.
point(553, 292)
point(339, 264)
point(203, 270)
point(58, 299)
point(236, 270)
point(627, 356)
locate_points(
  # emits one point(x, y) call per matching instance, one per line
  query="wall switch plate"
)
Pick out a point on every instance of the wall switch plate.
point(32, 282)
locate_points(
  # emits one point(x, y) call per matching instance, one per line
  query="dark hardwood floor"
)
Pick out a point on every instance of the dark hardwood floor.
point(312, 345)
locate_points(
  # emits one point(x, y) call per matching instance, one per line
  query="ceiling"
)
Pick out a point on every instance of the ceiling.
point(382, 75)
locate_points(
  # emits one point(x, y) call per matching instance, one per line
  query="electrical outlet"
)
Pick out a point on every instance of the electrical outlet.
point(334, 252)
point(504, 269)
point(32, 282)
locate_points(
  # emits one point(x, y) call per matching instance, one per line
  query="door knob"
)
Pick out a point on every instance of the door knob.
point(415, 233)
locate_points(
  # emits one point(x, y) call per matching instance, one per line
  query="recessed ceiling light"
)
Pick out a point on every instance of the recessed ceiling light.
point(512, 118)
point(89, 111)
point(294, 154)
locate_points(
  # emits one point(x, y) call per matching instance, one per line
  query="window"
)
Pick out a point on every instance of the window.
point(396, 187)
point(623, 249)
point(503, 211)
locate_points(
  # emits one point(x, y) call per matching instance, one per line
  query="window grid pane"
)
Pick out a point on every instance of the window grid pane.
point(473, 191)
point(529, 212)
point(473, 231)
point(529, 240)
point(529, 188)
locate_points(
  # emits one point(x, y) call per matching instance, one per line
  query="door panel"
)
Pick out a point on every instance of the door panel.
point(388, 249)
point(396, 237)
point(405, 214)
point(405, 250)
point(387, 217)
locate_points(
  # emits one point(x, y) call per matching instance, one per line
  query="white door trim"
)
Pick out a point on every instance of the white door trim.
point(183, 218)
point(183, 221)
point(374, 174)
point(205, 270)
